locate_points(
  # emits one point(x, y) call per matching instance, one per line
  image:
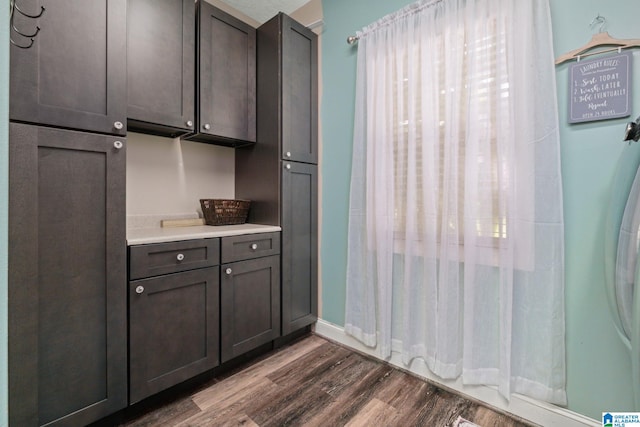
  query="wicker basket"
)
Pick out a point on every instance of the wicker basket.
point(224, 211)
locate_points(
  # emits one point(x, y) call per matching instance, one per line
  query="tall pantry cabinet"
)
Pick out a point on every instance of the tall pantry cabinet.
point(67, 248)
point(279, 174)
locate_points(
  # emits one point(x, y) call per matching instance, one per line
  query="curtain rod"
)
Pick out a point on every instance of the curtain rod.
point(392, 17)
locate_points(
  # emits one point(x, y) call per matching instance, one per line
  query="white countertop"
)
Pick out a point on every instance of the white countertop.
point(140, 236)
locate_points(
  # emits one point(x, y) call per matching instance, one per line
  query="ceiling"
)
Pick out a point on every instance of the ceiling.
point(263, 10)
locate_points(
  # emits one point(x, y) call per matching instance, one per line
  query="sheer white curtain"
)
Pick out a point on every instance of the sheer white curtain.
point(456, 240)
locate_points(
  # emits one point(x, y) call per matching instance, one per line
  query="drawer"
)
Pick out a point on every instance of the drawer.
point(248, 246)
point(162, 258)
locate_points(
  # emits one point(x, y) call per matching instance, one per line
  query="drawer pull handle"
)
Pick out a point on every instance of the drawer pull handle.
point(180, 257)
point(117, 145)
point(254, 246)
point(228, 271)
point(139, 289)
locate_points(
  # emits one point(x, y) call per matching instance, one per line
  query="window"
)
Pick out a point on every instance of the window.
point(444, 152)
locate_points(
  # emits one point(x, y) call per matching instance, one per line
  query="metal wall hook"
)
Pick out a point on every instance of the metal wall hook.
point(28, 15)
point(20, 46)
point(14, 7)
point(601, 20)
point(23, 34)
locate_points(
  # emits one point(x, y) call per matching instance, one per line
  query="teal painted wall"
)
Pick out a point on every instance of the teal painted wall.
point(598, 366)
point(4, 149)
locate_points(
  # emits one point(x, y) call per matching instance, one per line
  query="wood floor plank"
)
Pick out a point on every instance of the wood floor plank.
point(401, 391)
point(308, 400)
point(292, 408)
point(228, 392)
point(419, 399)
point(170, 414)
point(350, 402)
point(240, 420)
point(233, 403)
point(311, 365)
point(446, 409)
point(486, 417)
point(345, 374)
point(256, 373)
point(315, 382)
point(374, 413)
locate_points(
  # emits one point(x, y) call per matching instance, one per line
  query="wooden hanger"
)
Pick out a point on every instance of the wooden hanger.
point(599, 39)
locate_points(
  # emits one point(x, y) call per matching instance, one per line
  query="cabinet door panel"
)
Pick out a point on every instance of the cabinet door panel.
point(161, 66)
point(67, 268)
point(250, 305)
point(173, 324)
point(74, 75)
point(299, 92)
point(299, 246)
point(227, 76)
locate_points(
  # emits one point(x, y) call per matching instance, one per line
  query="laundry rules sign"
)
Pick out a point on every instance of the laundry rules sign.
point(600, 89)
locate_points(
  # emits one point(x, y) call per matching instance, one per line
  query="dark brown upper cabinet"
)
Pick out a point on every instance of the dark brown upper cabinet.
point(299, 92)
point(74, 75)
point(288, 88)
point(225, 79)
point(161, 66)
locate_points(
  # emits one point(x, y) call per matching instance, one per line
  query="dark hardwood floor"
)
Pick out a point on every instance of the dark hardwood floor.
point(314, 382)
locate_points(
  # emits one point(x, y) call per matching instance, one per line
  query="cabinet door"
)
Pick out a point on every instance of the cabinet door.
point(67, 276)
point(226, 77)
point(173, 327)
point(299, 92)
point(161, 66)
point(74, 75)
point(299, 246)
point(250, 305)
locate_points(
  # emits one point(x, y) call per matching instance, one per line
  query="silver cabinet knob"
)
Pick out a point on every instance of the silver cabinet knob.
point(118, 145)
point(139, 289)
point(206, 126)
point(189, 123)
point(288, 166)
point(228, 271)
point(118, 125)
point(180, 257)
point(254, 247)
point(289, 154)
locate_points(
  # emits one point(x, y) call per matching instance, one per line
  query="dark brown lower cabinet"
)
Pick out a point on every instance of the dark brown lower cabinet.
point(250, 304)
point(67, 276)
point(174, 329)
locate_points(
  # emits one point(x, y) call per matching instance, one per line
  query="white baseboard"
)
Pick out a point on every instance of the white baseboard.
point(542, 413)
